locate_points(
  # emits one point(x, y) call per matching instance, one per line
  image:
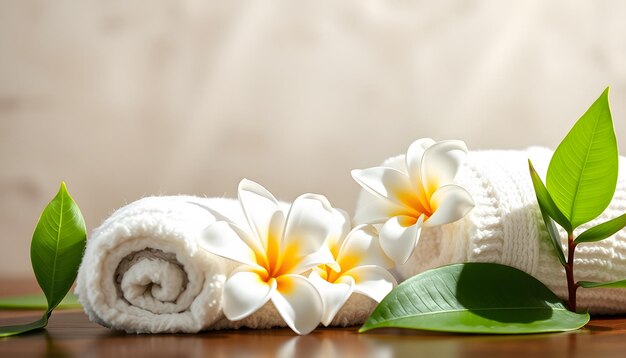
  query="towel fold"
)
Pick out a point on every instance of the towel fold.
point(143, 271)
point(506, 227)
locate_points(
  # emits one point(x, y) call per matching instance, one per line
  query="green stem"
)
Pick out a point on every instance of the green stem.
point(572, 286)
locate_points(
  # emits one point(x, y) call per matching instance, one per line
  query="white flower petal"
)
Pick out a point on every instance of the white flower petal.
point(334, 295)
point(342, 227)
point(371, 209)
point(323, 256)
point(244, 293)
point(386, 183)
point(310, 221)
point(398, 237)
point(413, 159)
point(398, 162)
point(260, 208)
point(343, 220)
point(441, 162)
point(222, 239)
point(450, 203)
point(362, 247)
point(298, 303)
point(272, 242)
point(372, 281)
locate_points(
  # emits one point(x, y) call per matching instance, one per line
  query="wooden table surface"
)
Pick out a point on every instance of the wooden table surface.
point(70, 333)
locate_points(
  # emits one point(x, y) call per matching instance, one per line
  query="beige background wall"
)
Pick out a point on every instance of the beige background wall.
point(123, 99)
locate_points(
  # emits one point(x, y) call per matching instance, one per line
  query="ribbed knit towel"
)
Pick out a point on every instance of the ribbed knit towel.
point(506, 227)
point(143, 271)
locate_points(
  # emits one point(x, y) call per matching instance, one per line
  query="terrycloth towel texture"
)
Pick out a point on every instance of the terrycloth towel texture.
point(143, 272)
point(506, 227)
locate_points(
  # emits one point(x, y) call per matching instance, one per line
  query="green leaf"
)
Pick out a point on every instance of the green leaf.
point(546, 204)
point(548, 211)
point(474, 298)
point(582, 174)
point(35, 302)
point(612, 284)
point(55, 253)
point(555, 237)
point(57, 247)
point(8, 331)
point(602, 231)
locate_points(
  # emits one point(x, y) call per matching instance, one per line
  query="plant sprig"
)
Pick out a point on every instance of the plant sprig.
point(581, 181)
point(497, 299)
point(56, 251)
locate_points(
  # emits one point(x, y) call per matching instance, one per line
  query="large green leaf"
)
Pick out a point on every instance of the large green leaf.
point(36, 302)
point(474, 298)
point(612, 284)
point(548, 212)
point(602, 231)
point(582, 174)
point(57, 246)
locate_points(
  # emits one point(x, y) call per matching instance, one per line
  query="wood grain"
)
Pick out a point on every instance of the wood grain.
point(70, 333)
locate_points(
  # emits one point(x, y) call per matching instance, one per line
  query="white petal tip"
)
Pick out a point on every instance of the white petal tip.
point(399, 241)
point(453, 203)
point(244, 294)
point(300, 306)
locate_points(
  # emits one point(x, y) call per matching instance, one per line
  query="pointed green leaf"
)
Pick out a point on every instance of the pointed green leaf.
point(8, 331)
point(582, 174)
point(555, 237)
point(546, 204)
point(57, 246)
point(35, 302)
point(548, 210)
point(55, 253)
point(474, 298)
point(612, 284)
point(602, 231)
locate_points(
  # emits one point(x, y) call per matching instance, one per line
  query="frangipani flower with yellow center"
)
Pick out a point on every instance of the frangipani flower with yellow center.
point(274, 256)
point(413, 191)
point(362, 269)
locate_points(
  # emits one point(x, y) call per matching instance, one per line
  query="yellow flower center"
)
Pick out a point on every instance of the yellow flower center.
point(346, 263)
point(276, 262)
point(416, 202)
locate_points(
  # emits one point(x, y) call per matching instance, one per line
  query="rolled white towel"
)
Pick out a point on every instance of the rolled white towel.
point(506, 227)
point(143, 271)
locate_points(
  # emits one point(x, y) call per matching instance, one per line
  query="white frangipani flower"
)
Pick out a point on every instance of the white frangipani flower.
point(275, 255)
point(362, 269)
point(414, 191)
